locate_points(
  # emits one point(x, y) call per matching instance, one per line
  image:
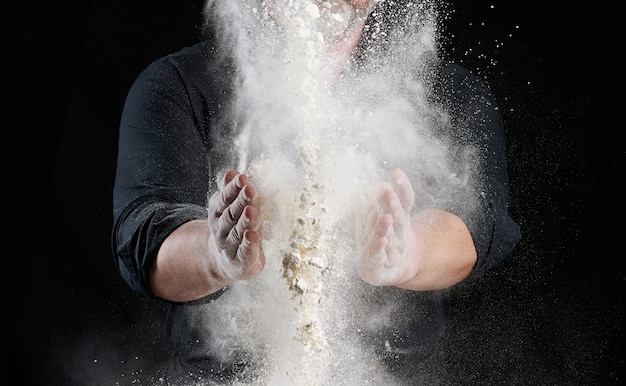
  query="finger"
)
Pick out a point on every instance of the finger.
point(236, 208)
point(232, 189)
point(250, 255)
point(221, 200)
point(402, 186)
point(393, 207)
point(231, 224)
point(246, 220)
point(378, 236)
point(398, 231)
point(384, 225)
point(226, 193)
point(228, 176)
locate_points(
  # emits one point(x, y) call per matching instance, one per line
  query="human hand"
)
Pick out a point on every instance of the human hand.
point(233, 242)
point(385, 233)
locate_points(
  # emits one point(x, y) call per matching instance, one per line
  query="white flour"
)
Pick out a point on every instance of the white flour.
point(303, 261)
point(311, 150)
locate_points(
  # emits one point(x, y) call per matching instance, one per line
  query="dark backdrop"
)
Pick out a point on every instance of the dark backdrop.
point(551, 314)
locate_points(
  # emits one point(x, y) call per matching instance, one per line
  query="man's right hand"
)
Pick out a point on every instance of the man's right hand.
point(234, 245)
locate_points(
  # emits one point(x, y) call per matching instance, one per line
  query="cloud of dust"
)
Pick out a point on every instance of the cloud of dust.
point(315, 145)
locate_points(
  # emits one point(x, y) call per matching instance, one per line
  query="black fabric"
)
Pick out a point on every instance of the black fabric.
point(163, 163)
point(168, 155)
point(171, 150)
point(477, 121)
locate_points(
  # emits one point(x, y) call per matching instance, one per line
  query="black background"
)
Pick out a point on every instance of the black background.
point(551, 314)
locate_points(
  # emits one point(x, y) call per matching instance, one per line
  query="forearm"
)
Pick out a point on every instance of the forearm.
point(181, 271)
point(443, 252)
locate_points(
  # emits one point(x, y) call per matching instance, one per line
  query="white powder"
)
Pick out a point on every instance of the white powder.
point(312, 148)
point(303, 260)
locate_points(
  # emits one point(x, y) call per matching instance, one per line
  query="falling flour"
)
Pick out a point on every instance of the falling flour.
point(304, 262)
point(312, 149)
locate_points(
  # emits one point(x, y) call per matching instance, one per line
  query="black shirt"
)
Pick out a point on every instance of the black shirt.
point(174, 140)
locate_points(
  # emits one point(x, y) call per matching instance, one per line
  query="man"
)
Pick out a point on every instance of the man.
point(178, 132)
